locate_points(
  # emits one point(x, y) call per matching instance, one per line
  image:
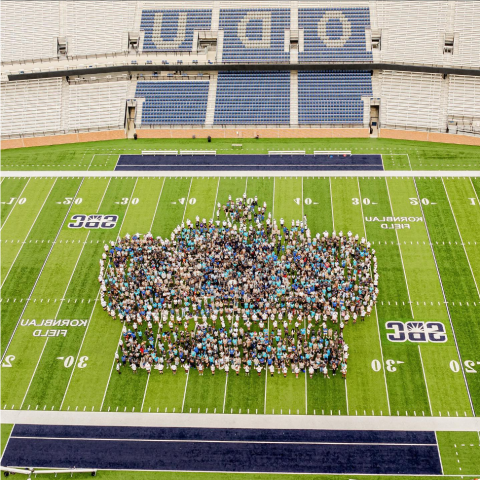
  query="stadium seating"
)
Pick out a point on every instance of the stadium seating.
point(173, 101)
point(31, 106)
point(250, 98)
point(464, 96)
point(173, 29)
point(332, 97)
point(98, 26)
point(467, 34)
point(412, 34)
point(334, 34)
point(18, 39)
point(412, 100)
point(96, 105)
point(255, 34)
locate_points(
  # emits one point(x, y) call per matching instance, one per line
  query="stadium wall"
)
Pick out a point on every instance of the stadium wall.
point(241, 133)
point(429, 137)
point(63, 139)
point(253, 132)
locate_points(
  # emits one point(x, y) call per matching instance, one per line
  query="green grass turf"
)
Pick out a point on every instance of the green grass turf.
point(74, 372)
point(398, 154)
point(460, 452)
point(6, 430)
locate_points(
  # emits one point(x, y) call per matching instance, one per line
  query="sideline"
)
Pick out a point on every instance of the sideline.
point(205, 420)
point(242, 174)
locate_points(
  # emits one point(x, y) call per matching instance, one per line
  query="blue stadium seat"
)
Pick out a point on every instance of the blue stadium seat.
point(173, 102)
point(261, 38)
point(172, 30)
point(334, 34)
point(332, 97)
point(256, 97)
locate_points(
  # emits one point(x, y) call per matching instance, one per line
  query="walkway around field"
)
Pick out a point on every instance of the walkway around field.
point(200, 420)
point(243, 174)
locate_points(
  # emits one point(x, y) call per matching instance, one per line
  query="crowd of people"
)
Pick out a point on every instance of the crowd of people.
point(243, 294)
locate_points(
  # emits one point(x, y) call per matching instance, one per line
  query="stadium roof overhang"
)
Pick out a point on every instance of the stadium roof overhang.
point(246, 67)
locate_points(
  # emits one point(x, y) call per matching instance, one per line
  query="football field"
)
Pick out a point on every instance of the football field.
point(416, 355)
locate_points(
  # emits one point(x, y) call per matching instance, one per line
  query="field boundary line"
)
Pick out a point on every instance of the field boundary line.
point(439, 453)
point(94, 303)
point(41, 270)
point(15, 204)
point(461, 238)
point(445, 299)
point(118, 235)
point(375, 307)
point(28, 233)
point(34, 372)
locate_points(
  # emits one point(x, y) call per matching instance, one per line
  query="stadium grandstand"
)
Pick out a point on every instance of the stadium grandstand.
point(291, 68)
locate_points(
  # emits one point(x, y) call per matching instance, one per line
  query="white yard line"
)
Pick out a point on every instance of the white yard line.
point(215, 202)
point(94, 303)
point(41, 270)
point(15, 204)
point(444, 298)
point(79, 350)
point(333, 229)
point(188, 373)
point(116, 346)
point(34, 372)
point(185, 391)
point(225, 393)
point(156, 340)
point(28, 233)
point(461, 238)
point(331, 203)
point(425, 379)
point(156, 208)
point(375, 307)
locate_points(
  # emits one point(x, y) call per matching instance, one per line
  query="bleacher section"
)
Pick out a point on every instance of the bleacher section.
point(169, 30)
point(98, 26)
point(332, 97)
point(467, 34)
point(334, 34)
point(412, 31)
point(96, 105)
point(411, 100)
point(253, 98)
point(254, 34)
point(173, 102)
point(19, 40)
point(31, 106)
point(464, 98)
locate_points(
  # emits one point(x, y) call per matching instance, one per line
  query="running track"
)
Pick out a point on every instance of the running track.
point(249, 162)
point(224, 450)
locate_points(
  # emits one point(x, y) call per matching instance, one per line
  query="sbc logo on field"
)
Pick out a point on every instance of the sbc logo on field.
point(417, 332)
point(93, 221)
